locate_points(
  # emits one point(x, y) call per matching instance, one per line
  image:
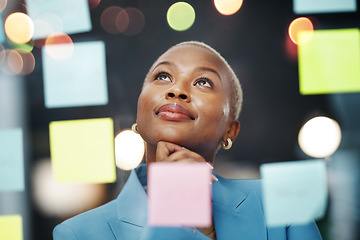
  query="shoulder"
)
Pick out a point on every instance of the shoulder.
point(87, 224)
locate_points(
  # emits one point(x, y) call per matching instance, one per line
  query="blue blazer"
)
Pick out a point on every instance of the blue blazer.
point(237, 213)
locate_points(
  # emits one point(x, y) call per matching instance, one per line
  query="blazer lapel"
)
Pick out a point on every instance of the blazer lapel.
point(131, 208)
point(237, 210)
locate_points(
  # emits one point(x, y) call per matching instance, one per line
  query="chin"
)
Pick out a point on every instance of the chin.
point(174, 135)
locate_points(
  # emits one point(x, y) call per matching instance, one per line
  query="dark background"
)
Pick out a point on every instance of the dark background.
point(255, 42)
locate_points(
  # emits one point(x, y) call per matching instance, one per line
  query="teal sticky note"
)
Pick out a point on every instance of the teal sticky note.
point(78, 80)
point(294, 192)
point(329, 62)
point(11, 160)
point(67, 16)
point(2, 33)
point(324, 6)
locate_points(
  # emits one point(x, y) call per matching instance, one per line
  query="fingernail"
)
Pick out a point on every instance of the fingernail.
point(215, 178)
point(210, 166)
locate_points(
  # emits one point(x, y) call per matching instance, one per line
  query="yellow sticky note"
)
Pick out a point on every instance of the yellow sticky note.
point(330, 62)
point(11, 227)
point(83, 150)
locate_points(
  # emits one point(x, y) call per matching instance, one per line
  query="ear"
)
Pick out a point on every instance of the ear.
point(232, 130)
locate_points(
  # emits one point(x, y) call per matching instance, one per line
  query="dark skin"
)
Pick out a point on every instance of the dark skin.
point(184, 109)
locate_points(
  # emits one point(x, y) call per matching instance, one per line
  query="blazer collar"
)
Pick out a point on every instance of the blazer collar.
point(237, 210)
point(131, 207)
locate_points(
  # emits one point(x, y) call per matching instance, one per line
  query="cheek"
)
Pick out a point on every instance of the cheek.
point(214, 113)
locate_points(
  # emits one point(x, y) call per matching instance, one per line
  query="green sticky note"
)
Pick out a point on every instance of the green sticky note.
point(294, 192)
point(11, 227)
point(11, 160)
point(329, 62)
point(83, 150)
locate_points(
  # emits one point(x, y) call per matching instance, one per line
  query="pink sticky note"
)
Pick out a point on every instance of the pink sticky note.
point(179, 194)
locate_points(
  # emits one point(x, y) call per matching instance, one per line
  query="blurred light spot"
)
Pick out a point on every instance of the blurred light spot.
point(47, 24)
point(94, 3)
point(122, 21)
point(59, 46)
point(28, 62)
point(136, 21)
point(228, 7)
point(29, 46)
point(63, 199)
point(108, 19)
point(299, 25)
point(180, 16)
point(129, 150)
point(320, 137)
point(2, 5)
point(2, 54)
point(12, 63)
point(19, 27)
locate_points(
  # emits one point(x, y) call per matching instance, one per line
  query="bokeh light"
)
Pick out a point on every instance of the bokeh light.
point(108, 19)
point(28, 62)
point(12, 62)
point(320, 137)
point(2, 54)
point(47, 24)
point(228, 7)
point(59, 46)
point(299, 25)
point(29, 46)
point(63, 199)
point(122, 21)
point(3, 4)
point(19, 27)
point(93, 3)
point(136, 21)
point(180, 16)
point(129, 150)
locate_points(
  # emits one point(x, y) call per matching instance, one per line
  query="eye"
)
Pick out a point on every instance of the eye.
point(204, 82)
point(163, 76)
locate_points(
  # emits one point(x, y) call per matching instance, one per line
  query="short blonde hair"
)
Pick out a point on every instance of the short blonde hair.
point(237, 94)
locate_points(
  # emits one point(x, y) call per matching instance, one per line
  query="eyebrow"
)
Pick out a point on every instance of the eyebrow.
point(210, 70)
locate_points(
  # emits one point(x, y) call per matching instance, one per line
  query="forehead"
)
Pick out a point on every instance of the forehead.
point(193, 55)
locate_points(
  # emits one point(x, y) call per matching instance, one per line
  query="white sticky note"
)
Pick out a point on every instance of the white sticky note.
point(323, 6)
point(179, 194)
point(79, 80)
point(67, 16)
point(294, 192)
point(11, 160)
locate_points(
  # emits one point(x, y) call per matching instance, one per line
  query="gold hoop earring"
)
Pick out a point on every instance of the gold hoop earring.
point(226, 145)
point(134, 128)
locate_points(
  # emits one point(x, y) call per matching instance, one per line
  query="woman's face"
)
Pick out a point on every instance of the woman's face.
point(186, 100)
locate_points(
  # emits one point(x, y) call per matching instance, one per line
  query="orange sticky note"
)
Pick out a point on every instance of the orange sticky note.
point(179, 194)
point(83, 150)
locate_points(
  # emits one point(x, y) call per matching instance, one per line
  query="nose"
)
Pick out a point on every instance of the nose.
point(178, 92)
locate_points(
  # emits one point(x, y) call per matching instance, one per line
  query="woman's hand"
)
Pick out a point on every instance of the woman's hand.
point(170, 152)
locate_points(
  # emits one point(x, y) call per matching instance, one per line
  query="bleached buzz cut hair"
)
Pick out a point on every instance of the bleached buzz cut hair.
point(236, 94)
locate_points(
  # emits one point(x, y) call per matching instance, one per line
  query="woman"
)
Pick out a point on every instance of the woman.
point(187, 110)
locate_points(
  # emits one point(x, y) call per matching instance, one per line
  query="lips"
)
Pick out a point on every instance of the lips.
point(174, 112)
